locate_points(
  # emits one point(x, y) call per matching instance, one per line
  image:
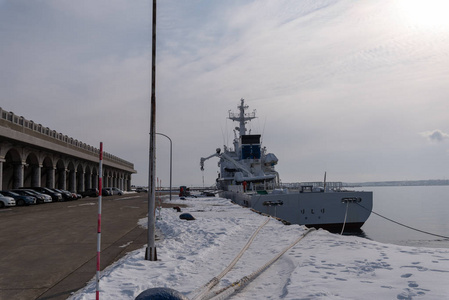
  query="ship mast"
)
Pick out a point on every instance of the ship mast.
point(242, 117)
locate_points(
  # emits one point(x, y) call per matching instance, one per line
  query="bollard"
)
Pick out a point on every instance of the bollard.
point(161, 294)
point(186, 216)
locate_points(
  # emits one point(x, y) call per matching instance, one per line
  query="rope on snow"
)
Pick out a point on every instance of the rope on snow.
point(240, 284)
point(208, 286)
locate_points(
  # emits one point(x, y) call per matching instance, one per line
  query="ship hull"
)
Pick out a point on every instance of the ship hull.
point(327, 210)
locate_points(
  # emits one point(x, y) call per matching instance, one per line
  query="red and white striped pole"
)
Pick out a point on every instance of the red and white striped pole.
point(100, 185)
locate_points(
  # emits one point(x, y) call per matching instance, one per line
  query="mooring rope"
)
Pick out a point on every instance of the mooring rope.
point(240, 284)
point(409, 227)
point(208, 286)
point(346, 215)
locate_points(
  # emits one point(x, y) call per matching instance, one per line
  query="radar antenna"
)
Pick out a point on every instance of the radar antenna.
point(242, 117)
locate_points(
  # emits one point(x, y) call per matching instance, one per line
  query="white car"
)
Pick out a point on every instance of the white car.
point(114, 191)
point(6, 201)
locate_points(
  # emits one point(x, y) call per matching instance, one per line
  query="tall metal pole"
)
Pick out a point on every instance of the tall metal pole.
point(150, 253)
point(100, 185)
point(171, 159)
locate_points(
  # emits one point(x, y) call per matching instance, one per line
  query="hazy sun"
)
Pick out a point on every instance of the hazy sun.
point(425, 14)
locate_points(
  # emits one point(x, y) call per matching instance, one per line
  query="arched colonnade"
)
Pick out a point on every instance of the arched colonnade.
point(22, 166)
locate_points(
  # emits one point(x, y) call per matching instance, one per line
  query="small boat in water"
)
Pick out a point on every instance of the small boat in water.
point(248, 177)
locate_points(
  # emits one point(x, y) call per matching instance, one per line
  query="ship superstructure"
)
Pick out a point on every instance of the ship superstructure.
point(247, 163)
point(248, 177)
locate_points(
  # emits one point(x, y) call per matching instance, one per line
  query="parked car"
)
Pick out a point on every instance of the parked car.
point(90, 193)
point(141, 190)
point(208, 194)
point(40, 198)
point(55, 196)
point(6, 201)
point(73, 196)
point(114, 190)
point(21, 200)
point(66, 195)
point(106, 192)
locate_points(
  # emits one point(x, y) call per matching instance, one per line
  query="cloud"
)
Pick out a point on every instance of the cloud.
point(335, 81)
point(436, 135)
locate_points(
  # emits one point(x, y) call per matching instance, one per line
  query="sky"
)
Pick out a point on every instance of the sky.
point(357, 89)
point(321, 265)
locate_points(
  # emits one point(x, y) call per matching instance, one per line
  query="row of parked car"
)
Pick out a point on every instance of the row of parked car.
point(107, 191)
point(36, 195)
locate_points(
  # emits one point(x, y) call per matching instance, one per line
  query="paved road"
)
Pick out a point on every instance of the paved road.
point(48, 251)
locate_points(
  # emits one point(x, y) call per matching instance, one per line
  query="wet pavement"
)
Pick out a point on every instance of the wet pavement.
point(49, 251)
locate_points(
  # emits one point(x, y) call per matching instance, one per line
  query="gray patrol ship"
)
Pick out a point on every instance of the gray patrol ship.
point(248, 177)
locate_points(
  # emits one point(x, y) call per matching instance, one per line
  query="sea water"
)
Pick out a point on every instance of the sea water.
point(425, 208)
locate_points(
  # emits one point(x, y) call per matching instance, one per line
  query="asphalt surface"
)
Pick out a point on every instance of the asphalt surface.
point(49, 251)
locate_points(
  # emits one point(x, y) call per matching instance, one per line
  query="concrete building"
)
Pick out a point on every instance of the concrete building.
point(34, 155)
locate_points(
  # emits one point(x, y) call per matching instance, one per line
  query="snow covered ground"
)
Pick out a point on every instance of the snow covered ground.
point(320, 266)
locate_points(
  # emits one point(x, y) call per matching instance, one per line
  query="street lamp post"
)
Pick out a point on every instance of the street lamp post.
point(150, 253)
point(170, 158)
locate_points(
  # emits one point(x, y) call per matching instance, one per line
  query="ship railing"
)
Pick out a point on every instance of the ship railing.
point(233, 115)
point(267, 186)
point(330, 186)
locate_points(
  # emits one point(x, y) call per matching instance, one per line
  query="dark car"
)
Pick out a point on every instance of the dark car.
point(21, 200)
point(72, 195)
point(141, 190)
point(55, 196)
point(66, 195)
point(90, 193)
point(40, 198)
point(208, 194)
point(106, 192)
